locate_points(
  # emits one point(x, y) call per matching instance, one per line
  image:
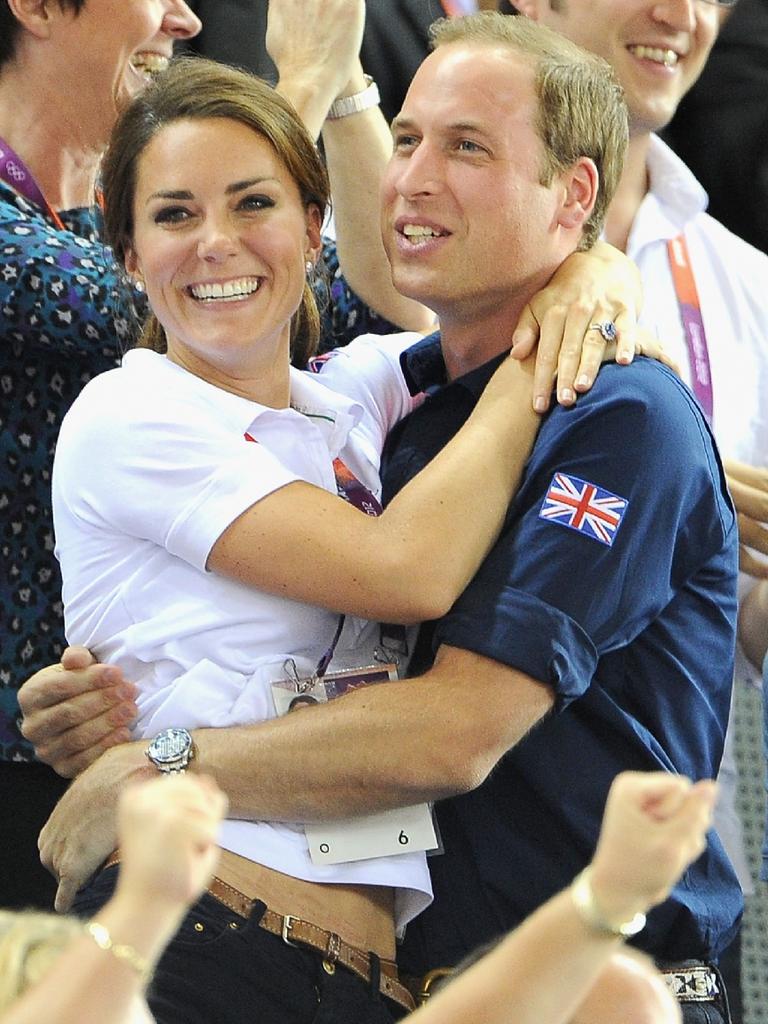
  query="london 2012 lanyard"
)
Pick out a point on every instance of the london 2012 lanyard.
point(14, 172)
point(356, 493)
point(348, 486)
point(693, 323)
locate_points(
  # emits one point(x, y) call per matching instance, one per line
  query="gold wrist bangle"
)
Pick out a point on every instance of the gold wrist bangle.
point(127, 954)
point(583, 897)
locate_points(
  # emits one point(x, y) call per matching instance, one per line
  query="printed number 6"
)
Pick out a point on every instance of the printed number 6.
point(403, 838)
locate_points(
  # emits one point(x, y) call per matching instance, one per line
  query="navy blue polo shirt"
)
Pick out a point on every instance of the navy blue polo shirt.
point(614, 581)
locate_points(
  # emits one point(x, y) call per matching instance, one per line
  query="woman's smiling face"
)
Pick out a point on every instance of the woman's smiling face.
point(221, 240)
point(118, 46)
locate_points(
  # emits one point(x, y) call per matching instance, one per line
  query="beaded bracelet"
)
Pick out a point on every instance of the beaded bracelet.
point(127, 954)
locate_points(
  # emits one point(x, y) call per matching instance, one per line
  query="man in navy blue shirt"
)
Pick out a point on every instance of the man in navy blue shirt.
point(599, 633)
point(606, 609)
point(612, 584)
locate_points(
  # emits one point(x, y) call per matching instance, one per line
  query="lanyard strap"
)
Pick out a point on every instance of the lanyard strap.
point(356, 493)
point(693, 323)
point(322, 666)
point(14, 172)
point(348, 487)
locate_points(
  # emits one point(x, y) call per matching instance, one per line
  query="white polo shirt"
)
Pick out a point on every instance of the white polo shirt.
point(732, 281)
point(152, 465)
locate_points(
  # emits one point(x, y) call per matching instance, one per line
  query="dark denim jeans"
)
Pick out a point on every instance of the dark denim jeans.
point(222, 968)
point(703, 1013)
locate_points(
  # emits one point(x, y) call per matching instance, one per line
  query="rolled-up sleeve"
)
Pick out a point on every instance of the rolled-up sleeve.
point(551, 597)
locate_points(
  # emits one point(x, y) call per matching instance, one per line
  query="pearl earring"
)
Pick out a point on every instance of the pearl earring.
point(309, 266)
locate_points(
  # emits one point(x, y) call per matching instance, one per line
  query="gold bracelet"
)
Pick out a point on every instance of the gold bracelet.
point(127, 954)
point(583, 897)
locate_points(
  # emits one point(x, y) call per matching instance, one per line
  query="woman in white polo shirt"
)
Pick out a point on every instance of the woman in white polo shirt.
point(202, 538)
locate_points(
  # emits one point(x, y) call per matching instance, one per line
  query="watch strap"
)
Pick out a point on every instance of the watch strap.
point(356, 103)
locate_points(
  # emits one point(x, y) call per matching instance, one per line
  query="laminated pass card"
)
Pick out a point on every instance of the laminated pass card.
point(401, 830)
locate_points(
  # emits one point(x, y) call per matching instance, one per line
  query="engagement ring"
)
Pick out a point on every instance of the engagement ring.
point(607, 329)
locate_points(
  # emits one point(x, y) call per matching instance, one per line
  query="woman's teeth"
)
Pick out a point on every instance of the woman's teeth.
point(231, 290)
point(149, 64)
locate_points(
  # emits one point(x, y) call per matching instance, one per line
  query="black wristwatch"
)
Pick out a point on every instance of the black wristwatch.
point(171, 751)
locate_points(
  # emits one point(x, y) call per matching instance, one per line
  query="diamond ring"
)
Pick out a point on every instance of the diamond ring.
point(607, 329)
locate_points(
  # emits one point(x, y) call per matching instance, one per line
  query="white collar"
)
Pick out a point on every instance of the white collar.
point(674, 183)
point(332, 413)
point(674, 198)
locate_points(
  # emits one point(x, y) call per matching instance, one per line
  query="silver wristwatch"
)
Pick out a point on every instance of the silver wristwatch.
point(171, 751)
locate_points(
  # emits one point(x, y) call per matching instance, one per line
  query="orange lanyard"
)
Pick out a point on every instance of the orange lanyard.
point(693, 323)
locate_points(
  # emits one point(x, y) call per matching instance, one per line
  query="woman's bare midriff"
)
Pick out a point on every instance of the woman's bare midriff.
point(363, 915)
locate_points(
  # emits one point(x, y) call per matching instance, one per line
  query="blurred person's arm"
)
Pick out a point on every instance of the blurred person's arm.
point(749, 489)
point(315, 46)
point(753, 624)
point(654, 825)
point(168, 830)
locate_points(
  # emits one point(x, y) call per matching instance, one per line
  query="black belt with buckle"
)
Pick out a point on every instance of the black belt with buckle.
point(695, 982)
point(689, 982)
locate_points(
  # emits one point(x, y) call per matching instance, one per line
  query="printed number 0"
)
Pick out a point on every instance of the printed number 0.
point(403, 838)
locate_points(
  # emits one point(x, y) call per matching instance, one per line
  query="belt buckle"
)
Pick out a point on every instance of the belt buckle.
point(432, 979)
point(694, 984)
point(288, 920)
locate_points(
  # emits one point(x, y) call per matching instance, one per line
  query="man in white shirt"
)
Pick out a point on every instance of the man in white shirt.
point(658, 51)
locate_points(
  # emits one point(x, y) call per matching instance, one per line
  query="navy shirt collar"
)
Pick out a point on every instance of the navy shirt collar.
point(424, 370)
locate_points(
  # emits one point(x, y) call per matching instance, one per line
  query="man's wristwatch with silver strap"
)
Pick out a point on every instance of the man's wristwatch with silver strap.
point(171, 751)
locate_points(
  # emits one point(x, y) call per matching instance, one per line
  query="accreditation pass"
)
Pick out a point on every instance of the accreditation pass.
point(401, 830)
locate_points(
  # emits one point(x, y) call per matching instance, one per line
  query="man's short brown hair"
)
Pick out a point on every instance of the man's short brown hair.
point(581, 112)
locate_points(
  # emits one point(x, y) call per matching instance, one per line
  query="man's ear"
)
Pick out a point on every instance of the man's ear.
point(33, 15)
point(580, 185)
point(530, 8)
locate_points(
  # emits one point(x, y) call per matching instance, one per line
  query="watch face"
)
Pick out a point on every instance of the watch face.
point(169, 745)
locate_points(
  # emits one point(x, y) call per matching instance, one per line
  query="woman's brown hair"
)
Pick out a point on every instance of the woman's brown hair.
point(193, 88)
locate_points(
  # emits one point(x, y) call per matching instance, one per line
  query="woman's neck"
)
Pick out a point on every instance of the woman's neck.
point(265, 380)
point(51, 141)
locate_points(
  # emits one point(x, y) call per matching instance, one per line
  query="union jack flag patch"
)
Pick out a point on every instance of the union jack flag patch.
point(584, 507)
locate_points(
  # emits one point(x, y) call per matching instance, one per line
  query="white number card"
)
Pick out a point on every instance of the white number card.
point(403, 830)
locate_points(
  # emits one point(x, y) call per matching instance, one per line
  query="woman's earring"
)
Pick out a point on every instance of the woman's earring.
point(309, 266)
point(138, 284)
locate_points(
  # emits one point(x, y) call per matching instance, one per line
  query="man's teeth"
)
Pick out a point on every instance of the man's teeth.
point(231, 290)
point(419, 231)
point(666, 57)
point(149, 63)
